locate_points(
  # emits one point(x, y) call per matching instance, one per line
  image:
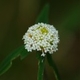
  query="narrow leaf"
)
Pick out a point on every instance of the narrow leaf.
point(24, 53)
point(53, 65)
point(44, 15)
point(41, 68)
point(7, 62)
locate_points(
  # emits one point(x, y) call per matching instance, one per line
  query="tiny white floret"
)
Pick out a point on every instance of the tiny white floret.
point(41, 37)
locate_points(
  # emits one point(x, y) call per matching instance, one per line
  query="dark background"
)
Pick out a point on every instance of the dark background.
point(17, 15)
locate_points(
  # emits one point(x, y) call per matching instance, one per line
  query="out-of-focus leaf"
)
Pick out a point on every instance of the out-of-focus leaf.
point(41, 67)
point(53, 65)
point(7, 62)
point(44, 15)
point(72, 20)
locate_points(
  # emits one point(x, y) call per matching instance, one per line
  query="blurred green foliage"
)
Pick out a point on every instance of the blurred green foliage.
point(7, 62)
point(44, 15)
point(72, 20)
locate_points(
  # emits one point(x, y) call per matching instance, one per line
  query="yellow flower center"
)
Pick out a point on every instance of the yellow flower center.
point(44, 30)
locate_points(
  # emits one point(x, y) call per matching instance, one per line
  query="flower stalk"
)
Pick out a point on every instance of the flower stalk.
point(41, 65)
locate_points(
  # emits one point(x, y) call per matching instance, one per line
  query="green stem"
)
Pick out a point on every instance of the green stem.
point(53, 65)
point(40, 68)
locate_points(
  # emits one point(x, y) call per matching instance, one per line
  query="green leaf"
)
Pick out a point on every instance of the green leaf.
point(40, 67)
point(6, 64)
point(53, 65)
point(44, 15)
point(24, 53)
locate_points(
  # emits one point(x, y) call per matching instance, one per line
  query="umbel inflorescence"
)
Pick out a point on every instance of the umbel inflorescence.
point(41, 37)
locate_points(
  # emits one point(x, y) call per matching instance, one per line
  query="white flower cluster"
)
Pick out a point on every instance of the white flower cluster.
point(41, 37)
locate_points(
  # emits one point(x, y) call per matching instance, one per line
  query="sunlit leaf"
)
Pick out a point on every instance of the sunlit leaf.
point(44, 15)
point(7, 62)
point(53, 65)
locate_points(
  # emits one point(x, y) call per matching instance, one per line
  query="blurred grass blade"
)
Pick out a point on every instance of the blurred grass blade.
point(44, 15)
point(7, 62)
point(40, 68)
point(53, 65)
point(72, 20)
